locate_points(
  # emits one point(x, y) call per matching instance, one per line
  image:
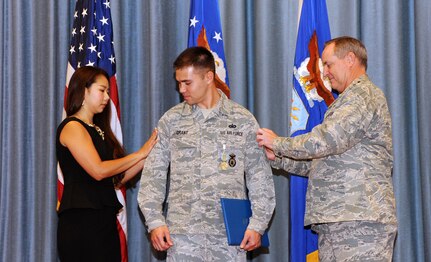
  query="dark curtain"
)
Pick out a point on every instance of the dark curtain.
point(259, 40)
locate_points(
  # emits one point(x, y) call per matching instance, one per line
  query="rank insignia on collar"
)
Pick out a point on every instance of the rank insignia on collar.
point(232, 161)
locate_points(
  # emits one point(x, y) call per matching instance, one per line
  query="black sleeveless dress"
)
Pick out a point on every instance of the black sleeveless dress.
point(87, 229)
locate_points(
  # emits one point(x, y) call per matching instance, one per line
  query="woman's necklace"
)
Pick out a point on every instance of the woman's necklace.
point(101, 133)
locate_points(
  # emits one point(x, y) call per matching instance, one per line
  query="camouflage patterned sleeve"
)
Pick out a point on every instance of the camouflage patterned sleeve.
point(342, 128)
point(152, 188)
point(259, 183)
point(297, 167)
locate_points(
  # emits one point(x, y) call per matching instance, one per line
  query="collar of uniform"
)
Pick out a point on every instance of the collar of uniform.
point(221, 107)
point(350, 87)
point(354, 84)
point(357, 81)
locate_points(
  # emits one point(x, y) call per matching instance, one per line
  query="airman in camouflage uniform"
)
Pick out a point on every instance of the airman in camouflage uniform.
point(348, 160)
point(211, 153)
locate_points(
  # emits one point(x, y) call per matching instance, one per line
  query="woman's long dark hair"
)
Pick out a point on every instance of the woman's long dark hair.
point(82, 79)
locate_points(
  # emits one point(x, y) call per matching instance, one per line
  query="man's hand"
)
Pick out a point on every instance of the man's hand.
point(269, 153)
point(251, 240)
point(265, 137)
point(161, 239)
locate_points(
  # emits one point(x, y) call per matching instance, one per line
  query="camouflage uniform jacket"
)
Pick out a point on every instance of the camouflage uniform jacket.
point(347, 158)
point(195, 148)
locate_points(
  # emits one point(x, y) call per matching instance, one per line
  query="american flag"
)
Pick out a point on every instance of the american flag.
point(92, 44)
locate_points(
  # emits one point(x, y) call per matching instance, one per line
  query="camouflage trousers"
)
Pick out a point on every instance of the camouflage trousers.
point(201, 248)
point(356, 241)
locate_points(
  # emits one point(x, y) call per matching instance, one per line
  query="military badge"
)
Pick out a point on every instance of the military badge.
point(232, 161)
point(223, 163)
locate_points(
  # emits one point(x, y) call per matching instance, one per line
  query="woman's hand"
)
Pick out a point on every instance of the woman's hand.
point(148, 146)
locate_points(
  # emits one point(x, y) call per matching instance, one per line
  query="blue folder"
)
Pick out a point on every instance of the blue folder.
point(236, 214)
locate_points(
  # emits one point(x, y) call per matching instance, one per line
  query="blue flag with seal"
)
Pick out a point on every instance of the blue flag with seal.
point(311, 97)
point(205, 30)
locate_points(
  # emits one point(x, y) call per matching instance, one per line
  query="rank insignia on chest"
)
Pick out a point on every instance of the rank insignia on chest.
point(232, 161)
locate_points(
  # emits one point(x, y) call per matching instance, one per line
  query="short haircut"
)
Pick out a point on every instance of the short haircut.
point(197, 57)
point(345, 44)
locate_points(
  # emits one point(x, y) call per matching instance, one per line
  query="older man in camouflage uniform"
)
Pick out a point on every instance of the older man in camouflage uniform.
point(209, 143)
point(348, 160)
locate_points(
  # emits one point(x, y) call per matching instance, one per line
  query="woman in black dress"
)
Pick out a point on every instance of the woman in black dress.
point(93, 162)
